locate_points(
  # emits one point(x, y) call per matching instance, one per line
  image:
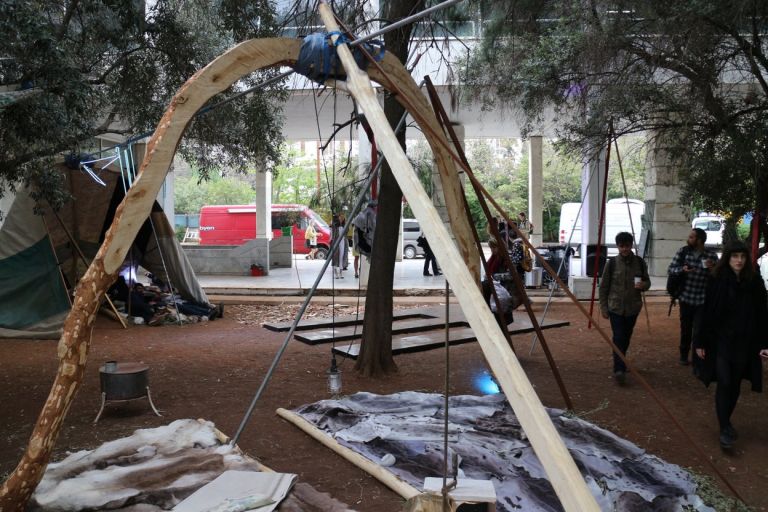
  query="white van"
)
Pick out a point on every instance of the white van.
point(713, 225)
point(617, 217)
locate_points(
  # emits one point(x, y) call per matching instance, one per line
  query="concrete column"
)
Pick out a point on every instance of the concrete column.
point(536, 188)
point(264, 205)
point(669, 226)
point(592, 179)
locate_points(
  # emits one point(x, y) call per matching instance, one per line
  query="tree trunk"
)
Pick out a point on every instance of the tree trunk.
point(73, 354)
point(375, 357)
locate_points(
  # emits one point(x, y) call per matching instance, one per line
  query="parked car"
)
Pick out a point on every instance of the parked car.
point(411, 231)
point(713, 225)
point(236, 224)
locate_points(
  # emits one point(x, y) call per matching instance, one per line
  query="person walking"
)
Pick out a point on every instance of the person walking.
point(624, 278)
point(730, 336)
point(310, 236)
point(429, 256)
point(696, 263)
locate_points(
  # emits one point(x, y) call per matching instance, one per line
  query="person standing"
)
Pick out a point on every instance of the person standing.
point(337, 258)
point(345, 256)
point(429, 256)
point(365, 227)
point(524, 225)
point(517, 253)
point(696, 263)
point(355, 255)
point(730, 335)
point(496, 264)
point(624, 278)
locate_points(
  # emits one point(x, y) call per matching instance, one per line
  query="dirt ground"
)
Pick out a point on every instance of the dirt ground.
point(212, 370)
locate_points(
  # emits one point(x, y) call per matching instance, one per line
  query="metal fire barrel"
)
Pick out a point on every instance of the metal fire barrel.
point(126, 382)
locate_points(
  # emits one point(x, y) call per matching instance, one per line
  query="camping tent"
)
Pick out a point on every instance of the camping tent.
point(33, 296)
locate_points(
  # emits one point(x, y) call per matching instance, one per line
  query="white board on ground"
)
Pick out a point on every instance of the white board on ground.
point(234, 491)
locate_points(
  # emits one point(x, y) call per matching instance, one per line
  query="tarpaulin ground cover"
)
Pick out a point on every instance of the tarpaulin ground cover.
point(490, 443)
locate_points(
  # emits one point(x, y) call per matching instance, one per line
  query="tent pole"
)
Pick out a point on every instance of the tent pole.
point(56, 258)
point(442, 118)
point(165, 269)
point(87, 263)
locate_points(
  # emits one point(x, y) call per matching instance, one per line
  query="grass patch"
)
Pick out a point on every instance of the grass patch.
point(711, 495)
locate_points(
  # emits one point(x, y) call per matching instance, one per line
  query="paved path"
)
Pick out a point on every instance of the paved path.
point(299, 279)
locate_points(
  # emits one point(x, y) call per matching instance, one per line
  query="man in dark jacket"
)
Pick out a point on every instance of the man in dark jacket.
point(429, 256)
point(624, 278)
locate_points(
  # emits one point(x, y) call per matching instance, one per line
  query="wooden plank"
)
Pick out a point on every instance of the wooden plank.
point(344, 321)
point(389, 479)
point(406, 326)
point(436, 339)
point(562, 471)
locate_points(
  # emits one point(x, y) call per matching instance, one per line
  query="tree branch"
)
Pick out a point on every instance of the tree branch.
point(118, 62)
point(71, 8)
point(753, 53)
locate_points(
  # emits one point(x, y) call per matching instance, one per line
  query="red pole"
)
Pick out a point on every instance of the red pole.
point(755, 227)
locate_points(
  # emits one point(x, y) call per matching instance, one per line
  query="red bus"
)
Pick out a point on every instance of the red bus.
point(236, 224)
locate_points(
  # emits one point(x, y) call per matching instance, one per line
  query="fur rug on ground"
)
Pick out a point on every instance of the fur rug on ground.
point(153, 470)
point(491, 445)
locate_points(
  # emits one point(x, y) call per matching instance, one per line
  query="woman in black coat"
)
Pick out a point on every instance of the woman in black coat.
point(731, 334)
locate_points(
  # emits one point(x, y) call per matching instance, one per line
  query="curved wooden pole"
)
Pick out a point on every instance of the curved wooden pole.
point(136, 206)
point(75, 341)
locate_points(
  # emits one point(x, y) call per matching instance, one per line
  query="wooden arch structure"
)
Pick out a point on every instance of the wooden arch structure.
point(74, 344)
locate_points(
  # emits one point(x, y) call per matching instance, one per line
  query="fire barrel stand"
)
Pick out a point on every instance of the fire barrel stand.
point(122, 382)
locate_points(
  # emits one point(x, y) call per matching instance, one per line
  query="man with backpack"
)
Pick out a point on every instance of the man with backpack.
point(624, 278)
point(688, 275)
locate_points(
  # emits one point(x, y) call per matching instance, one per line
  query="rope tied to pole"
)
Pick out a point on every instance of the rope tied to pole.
point(319, 61)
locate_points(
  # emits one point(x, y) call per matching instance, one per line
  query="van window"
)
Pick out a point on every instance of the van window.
point(284, 219)
point(315, 217)
point(708, 225)
point(411, 227)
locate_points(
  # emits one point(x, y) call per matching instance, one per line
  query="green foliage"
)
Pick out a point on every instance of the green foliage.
point(503, 170)
point(690, 73)
point(420, 156)
point(295, 184)
point(192, 192)
point(106, 66)
point(339, 185)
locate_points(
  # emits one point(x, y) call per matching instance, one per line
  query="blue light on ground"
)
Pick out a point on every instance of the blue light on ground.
point(486, 384)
